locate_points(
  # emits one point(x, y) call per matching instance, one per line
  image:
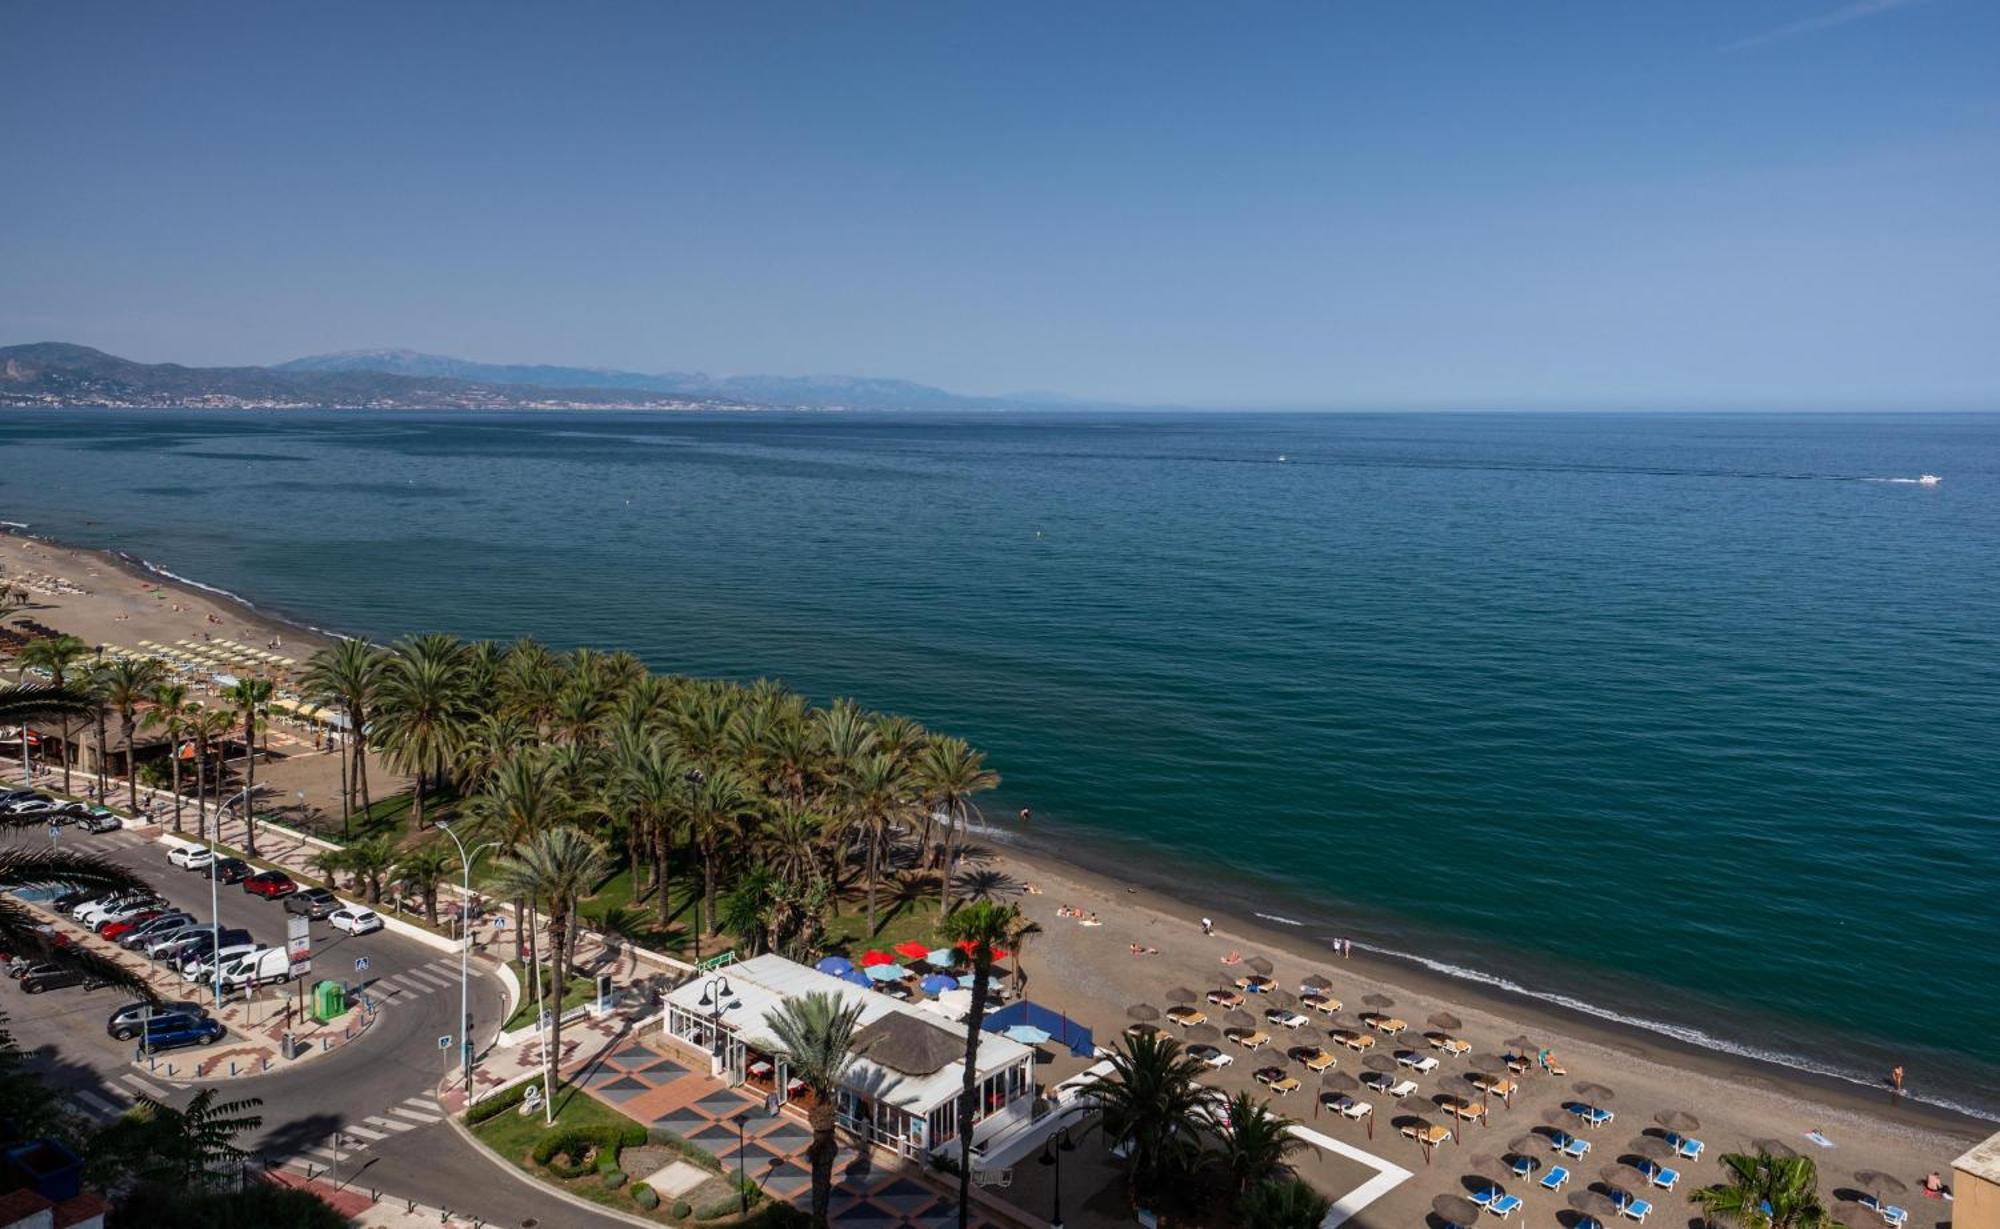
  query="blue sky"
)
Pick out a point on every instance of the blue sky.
point(1335, 204)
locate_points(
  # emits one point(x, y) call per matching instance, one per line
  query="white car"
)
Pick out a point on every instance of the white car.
point(190, 857)
point(115, 907)
point(355, 920)
point(1286, 1019)
point(201, 968)
point(1210, 1055)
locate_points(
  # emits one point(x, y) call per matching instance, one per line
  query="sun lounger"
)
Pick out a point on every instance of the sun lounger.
point(1592, 1115)
point(1556, 1068)
point(1890, 1214)
point(1663, 1177)
point(1636, 1209)
point(1569, 1145)
point(1402, 1088)
point(1524, 1166)
point(1186, 1017)
point(1357, 1110)
point(1428, 1136)
point(1377, 1080)
point(1389, 1025)
point(1248, 1038)
point(1689, 1148)
point(1415, 1061)
point(1554, 1179)
point(1504, 1206)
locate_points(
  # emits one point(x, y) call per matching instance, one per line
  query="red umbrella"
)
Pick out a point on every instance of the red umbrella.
point(965, 945)
point(913, 949)
point(871, 959)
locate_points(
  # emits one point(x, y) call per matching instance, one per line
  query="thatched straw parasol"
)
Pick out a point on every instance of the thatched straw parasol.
point(1680, 1122)
point(1260, 965)
point(1142, 1011)
point(1181, 994)
point(1456, 1210)
point(1446, 1021)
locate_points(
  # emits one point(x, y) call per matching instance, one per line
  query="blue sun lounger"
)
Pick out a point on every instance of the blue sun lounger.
point(1661, 1176)
point(1636, 1209)
point(1554, 1179)
point(1569, 1145)
point(1595, 1116)
point(1689, 1148)
point(1523, 1166)
point(1504, 1206)
point(1892, 1215)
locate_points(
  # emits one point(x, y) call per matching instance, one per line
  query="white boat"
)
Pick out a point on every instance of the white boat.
point(1929, 480)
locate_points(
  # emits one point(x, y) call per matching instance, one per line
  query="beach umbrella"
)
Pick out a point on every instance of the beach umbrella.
point(1491, 1167)
point(1680, 1122)
point(1422, 1127)
point(1847, 1212)
point(1445, 1020)
point(883, 972)
point(1339, 1081)
point(1205, 1032)
point(912, 949)
point(1240, 1019)
point(1456, 1210)
point(1027, 1034)
point(872, 959)
point(1260, 965)
point(1142, 1011)
point(938, 983)
point(856, 977)
point(966, 946)
point(1597, 1207)
point(1884, 1187)
point(1622, 1176)
point(835, 965)
point(1773, 1147)
point(1379, 1062)
point(941, 957)
point(1281, 998)
point(1653, 1148)
point(1316, 982)
point(1596, 1094)
point(1378, 1000)
point(1181, 994)
point(1520, 1046)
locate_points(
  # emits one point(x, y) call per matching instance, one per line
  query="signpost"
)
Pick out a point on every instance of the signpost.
point(444, 1042)
point(298, 949)
point(361, 964)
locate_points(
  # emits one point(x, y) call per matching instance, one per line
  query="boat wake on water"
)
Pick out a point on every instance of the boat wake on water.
point(1922, 480)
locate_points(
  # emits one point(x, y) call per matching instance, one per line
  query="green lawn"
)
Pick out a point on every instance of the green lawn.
point(581, 990)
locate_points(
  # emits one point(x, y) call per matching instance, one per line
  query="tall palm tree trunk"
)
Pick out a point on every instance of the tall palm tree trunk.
point(131, 768)
point(174, 762)
point(821, 1156)
point(69, 748)
point(874, 873)
point(950, 857)
point(103, 742)
point(249, 781)
point(968, 1099)
point(663, 838)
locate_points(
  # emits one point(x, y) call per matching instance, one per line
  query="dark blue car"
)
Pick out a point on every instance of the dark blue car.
point(176, 1029)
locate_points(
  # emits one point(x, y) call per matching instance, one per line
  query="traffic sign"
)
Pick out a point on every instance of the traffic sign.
point(361, 964)
point(444, 1042)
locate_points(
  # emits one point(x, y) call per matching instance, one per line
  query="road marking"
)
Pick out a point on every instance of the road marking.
point(420, 1117)
point(150, 1089)
point(434, 980)
point(98, 1105)
point(364, 1132)
point(391, 1123)
point(424, 1103)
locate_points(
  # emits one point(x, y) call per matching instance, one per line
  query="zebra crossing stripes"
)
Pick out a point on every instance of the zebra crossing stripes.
point(390, 1124)
point(144, 1085)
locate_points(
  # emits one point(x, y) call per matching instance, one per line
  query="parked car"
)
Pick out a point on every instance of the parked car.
point(190, 857)
point(42, 977)
point(176, 1029)
point(29, 804)
point(315, 903)
point(270, 884)
point(157, 928)
point(33, 809)
point(201, 968)
point(114, 908)
point(230, 870)
point(70, 898)
point(116, 927)
point(355, 920)
point(100, 820)
point(263, 967)
point(8, 797)
point(124, 1023)
point(199, 941)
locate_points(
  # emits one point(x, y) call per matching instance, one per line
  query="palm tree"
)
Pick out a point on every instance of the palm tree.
point(716, 807)
point(817, 1034)
point(951, 772)
point(368, 861)
point(883, 794)
point(209, 727)
point(127, 681)
point(173, 713)
point(55, 655)
point(1284, 1204)
point(976, 929)
point(422, 868)
point(425, 706)
point(188, 1148)
point(348, 676)
point(1017, 938)
point(1152, 1101)
point(250, 697)
point(651, 785)
point(1254, 1143)
point(20, 933)
point(554, 869)
point(524, 797)
point(1766, 1192)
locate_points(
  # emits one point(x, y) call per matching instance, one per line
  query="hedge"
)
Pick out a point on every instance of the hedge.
point(573, 1143)
point(645, 1196)
point(493, 1106)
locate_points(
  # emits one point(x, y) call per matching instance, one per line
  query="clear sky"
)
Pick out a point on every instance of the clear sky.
point(1784, 203)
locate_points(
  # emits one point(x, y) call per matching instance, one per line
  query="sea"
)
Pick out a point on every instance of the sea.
point(1690, 721)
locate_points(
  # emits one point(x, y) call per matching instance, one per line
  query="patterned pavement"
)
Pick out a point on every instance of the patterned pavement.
point(868, 1189)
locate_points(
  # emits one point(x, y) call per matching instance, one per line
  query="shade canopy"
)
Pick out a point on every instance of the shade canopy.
point(1456, 1210)
point(1677, 1120)
point(884, 972)
point(1596, 1094)
point(938, 983)
point(1260, 964)
point(834, 965)
point(966, 946)
point(1026, 1034)
point(913, 950)
point(941, 957)
point(855, 977)
point(870, 959)
point(1142, 1011)
point(1445, 1019)
point(1378, 1000)
point(1181, 994)
point(1316, 982)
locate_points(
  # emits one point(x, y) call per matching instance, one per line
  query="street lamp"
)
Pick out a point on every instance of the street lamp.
point(713, 992)
point(465, 949)
point(1052, 1152)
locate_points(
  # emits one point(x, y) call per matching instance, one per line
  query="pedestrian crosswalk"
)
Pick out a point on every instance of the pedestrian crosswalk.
point(116, 1096)
point(410, 1114)
point(413, 983)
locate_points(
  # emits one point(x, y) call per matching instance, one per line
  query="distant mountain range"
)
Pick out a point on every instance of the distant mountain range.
point(59, 373)
point(828, 391)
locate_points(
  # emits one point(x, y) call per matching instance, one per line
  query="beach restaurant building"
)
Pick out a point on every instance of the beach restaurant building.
point(902, 1090)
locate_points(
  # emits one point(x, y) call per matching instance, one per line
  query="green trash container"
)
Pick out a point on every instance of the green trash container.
point(329, 1001)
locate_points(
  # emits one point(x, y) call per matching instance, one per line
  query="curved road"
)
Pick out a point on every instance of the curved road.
point(376, 1094)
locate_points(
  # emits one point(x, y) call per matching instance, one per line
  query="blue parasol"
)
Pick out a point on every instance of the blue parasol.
point(938, 983)
point(942, 958)
point(836, 965)
point(885, 972)
point(855, 977)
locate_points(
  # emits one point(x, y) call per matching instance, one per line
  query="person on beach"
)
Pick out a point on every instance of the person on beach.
point(1896, 1079)
point(1934, 1186)
point(1025, 815)
point(1207, 926)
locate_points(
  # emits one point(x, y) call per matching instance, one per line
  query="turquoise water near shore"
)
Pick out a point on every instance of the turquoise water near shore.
point(1689, 719)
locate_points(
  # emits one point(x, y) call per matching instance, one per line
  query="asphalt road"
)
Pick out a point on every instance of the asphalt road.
point(376, 1093)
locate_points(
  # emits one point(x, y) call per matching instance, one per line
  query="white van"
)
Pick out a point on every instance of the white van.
point(262, 967)
point(201, 968)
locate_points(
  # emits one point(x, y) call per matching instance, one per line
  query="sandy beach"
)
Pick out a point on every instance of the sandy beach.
point(1091, 973)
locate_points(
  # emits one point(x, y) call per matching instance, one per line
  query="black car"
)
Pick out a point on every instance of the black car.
point(77, 896)
point(315, 903)
point(124, 1023)
point(54, 977)
point(230, 870)
point(154, 930)
point(200, 941)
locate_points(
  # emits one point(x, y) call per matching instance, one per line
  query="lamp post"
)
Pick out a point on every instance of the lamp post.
point(714, 992)
point(465, 949)
point(1052, 1151)
point(694, 778)
point(742, 1183)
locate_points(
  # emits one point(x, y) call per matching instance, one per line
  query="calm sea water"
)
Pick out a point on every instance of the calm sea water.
point(1690, 719)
